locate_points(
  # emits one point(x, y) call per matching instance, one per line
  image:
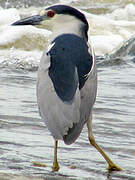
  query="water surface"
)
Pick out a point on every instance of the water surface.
point(25, 138)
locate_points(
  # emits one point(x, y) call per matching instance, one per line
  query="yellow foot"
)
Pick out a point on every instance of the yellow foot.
point(38, 164)
point(55, 166)
point(113, 167)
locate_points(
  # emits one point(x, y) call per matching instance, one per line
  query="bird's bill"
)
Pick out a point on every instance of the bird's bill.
point(32, 20)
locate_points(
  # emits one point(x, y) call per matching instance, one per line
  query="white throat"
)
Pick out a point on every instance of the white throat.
point(64, 24)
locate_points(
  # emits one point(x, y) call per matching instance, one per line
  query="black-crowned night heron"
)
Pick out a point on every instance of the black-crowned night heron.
point(67, 77)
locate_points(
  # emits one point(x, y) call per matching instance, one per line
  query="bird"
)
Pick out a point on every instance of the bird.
point(67, 77)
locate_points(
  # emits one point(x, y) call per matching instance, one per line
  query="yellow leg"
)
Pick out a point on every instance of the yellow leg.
point(111, 165)
point(55, 162)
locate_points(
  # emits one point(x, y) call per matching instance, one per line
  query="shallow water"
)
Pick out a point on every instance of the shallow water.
point(25, 138)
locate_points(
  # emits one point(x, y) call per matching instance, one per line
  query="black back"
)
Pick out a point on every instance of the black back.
point(69, 53)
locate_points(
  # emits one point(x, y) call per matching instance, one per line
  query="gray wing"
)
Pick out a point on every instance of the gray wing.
point(88, 92)
point(58, 115)
point(66, 87)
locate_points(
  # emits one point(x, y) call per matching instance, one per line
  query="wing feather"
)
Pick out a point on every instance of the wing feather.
point(59, 116)
point(87, 98)
point(64, 116)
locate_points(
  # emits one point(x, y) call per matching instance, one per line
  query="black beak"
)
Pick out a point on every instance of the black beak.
point(33, 20)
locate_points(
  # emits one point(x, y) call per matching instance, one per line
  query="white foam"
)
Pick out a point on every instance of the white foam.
point(67, 2)
point(15, 55)
point(107, 21)
point(104, 44)
point(10, 34)
point(8, 16)
point(107, 33)
point(126, 13)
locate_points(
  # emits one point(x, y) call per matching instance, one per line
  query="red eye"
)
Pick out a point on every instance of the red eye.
point(50, 14)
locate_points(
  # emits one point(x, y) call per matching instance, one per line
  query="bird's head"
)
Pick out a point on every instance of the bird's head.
point(63, 18)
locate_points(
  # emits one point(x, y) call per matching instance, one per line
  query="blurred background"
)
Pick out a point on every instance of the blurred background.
point(24, 137)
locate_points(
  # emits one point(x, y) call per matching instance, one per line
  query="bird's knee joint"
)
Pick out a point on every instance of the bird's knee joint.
point(92, 140)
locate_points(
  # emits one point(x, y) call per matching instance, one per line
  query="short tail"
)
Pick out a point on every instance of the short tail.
point(73, 133)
